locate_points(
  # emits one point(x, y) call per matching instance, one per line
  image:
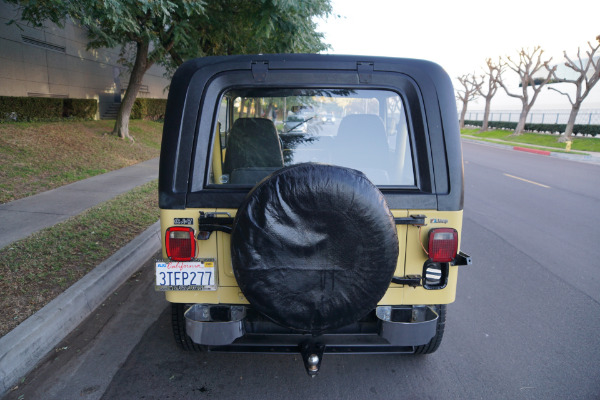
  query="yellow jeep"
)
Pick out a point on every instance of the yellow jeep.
point(286, 232)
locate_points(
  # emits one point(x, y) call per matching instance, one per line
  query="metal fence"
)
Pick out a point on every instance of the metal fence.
point(585, 117)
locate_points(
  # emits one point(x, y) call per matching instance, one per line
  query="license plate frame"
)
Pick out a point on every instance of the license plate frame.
point(200, 275)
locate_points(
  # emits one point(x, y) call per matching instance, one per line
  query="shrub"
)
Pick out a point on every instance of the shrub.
point(30, 109)
point(80, 108)
point(150, 109)
point(583, 129)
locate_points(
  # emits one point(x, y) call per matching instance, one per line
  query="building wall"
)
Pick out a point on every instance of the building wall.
point(54, 62)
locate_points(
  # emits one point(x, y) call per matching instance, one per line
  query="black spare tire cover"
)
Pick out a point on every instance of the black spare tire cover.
point(314, 247)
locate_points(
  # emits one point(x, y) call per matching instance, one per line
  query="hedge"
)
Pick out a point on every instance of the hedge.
point(30, 108)
point(80, 108)
point(27, 109)
point(150, 109)
point(592, 130)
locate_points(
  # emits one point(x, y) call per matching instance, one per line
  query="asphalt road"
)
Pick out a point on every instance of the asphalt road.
point(525, 325)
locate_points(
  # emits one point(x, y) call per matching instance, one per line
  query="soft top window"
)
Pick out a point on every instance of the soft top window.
point(262, 130)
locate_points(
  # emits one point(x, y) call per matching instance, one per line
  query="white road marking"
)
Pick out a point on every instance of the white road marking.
point(528, 181)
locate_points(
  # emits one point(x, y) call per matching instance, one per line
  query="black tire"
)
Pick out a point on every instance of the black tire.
point(314, 247)
point(435, 341)
point(179, 332)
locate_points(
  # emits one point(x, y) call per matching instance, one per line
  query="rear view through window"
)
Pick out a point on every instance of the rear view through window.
point(263, 130)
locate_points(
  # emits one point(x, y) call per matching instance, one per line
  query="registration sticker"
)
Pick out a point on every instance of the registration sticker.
point(188, 275)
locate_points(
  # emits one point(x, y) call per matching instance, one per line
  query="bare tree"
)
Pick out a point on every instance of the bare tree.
point(491, 77)
point(589, 74)
point(528, 65)
point(468, 92)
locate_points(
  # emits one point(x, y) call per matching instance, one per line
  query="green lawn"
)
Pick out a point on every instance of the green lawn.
point(535, 139)
point(39, 156)
point(35, 270)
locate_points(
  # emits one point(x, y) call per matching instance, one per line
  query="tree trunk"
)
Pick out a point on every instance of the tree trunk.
point(486, 115)
point(462, 114)
point(140, 67)
point(269, 112)
point(570, 124)
point(521, 125)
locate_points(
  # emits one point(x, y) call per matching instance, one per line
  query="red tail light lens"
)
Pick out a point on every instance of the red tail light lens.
point(443, 244)
point(180, 243)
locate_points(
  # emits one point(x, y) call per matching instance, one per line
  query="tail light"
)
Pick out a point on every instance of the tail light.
point(180, 243)
point(443, 244)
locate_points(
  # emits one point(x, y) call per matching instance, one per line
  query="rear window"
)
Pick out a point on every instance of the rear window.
point(262, 130)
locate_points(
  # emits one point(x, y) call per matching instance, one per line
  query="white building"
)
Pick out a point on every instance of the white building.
point(54, 62)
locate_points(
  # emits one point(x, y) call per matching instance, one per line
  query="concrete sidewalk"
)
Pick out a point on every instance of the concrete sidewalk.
point(21, 218)
point(23, 347)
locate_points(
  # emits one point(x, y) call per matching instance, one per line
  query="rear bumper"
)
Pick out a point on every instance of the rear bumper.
point(388, 329)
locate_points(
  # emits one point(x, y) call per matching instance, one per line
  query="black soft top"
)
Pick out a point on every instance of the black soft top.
point(197, 86)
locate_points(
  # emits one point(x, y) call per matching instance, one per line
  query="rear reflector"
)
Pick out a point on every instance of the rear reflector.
point(180, 243)
point(443, 244)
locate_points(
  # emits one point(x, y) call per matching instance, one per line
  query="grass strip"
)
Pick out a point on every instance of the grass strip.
point(503, 142)
point(35, 157)
point(35, 270)
point(536, 139)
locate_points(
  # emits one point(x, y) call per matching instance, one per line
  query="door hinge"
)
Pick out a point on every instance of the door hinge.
point(209, 222)
point(417, 220)
point(409, 280)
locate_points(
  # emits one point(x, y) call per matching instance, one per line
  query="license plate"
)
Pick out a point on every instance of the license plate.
point(188, 275)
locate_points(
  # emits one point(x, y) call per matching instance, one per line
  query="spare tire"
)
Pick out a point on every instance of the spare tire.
point(314, 247)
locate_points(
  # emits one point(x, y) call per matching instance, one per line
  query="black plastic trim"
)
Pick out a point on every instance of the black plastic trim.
point(462, 259)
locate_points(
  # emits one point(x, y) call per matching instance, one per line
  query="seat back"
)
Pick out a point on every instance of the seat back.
point(253, 144)
point(361, 143)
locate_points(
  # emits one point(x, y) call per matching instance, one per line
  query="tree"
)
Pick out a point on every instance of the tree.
point(168, 32)
point(468, 92)
point(528, 66)
point(226, 27)
point(152, 26)
point(491, 77)
point(589, 74)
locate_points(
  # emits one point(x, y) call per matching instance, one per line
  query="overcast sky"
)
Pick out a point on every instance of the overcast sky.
point(459, 35)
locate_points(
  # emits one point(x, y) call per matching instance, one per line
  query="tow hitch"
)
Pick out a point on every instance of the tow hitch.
point(312, 354)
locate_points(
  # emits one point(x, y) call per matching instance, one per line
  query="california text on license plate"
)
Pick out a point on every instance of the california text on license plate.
point(188, 275)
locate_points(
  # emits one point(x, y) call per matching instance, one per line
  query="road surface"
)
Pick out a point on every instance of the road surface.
point(525, 325)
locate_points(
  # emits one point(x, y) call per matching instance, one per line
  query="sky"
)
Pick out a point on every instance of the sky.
point(461, 34)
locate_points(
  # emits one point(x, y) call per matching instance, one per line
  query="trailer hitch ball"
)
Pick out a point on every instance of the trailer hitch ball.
point(313, 363)
point(312, 355)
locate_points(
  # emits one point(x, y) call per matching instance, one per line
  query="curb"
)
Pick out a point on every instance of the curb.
point(23, 347)
point(572, 157)
point(534, 151)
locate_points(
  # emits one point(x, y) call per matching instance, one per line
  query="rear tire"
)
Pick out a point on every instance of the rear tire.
point(435, 341)
point(179, 331)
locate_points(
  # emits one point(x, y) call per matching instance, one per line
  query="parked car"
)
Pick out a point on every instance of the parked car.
point(296, 124)
point(305, 243)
